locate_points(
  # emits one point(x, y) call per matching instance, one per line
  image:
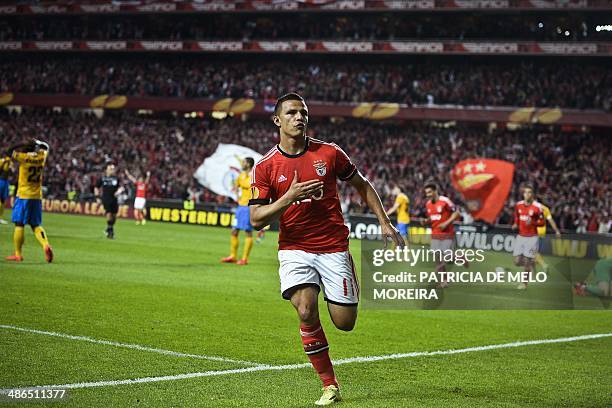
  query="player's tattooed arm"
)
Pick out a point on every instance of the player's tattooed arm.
point(371, 198)
point(265, 214)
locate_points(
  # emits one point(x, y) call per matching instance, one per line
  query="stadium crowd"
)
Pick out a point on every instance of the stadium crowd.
point(369, 26)
point(570, 170)
point(573, 84)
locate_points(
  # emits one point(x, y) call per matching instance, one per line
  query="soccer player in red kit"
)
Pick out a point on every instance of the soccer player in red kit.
point(295, 182)
point(528, 216)
point(441, 213)
point(140, 201)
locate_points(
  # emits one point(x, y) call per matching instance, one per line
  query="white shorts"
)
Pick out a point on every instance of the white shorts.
point(332, 272)
point(525, 246)
point(442, 244)
point(139, 203)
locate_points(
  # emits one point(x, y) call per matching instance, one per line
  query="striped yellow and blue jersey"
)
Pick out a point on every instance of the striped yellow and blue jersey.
point(403, 217)
point(31, 165)
point(243, 182)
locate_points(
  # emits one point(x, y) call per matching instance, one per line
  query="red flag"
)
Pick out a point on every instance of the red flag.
point(484, 185)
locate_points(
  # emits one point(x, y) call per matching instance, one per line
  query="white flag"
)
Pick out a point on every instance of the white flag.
point(219, 171)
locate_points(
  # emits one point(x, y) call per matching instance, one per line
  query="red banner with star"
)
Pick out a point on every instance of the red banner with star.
point(484, 185)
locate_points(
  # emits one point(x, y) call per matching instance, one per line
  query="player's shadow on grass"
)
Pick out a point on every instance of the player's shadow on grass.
point(415, 396)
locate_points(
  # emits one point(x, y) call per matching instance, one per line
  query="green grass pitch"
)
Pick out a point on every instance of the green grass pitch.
point(162, 286)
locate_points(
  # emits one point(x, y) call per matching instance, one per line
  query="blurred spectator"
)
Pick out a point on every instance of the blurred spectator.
point(605, 223)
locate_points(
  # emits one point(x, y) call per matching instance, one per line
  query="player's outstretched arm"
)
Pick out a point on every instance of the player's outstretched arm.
point(554, 226)
point(265, 214)
point(18, 147)
point(393, 209)
point(130, 176)
point(370, 196)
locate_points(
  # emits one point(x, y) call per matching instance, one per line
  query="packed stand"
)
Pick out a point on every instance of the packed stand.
point(570, 170)
point(542, 83)
point(307, 26)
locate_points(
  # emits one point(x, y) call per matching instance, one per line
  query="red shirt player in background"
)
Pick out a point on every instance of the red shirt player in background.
point(528, 216)
point(140, 202)
point(441, 213)
point(296, 183)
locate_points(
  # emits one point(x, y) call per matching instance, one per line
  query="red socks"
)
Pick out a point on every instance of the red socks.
point(317, 349)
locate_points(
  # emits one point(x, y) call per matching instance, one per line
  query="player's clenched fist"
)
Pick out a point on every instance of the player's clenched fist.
point(301, 191)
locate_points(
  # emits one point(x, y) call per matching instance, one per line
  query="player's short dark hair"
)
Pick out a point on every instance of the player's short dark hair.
point(291, 96)
point(250, 160)
point(529, 186)
point(431, 184)
point(30, 147)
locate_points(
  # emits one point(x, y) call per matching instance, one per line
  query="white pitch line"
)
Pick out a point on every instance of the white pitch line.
point(304, 365)
point(471, 349)
point(129, 346)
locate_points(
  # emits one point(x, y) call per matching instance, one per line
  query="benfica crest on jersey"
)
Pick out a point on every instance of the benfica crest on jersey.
point(320, 167)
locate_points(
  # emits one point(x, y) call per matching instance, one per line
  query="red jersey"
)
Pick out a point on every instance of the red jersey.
point(440, 212)
point(528, 217)
point(141, 189)
point(315, 224)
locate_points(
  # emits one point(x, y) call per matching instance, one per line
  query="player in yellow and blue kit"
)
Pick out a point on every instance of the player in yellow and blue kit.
point(28, 204)
point(6, 167)
point(243, 219)
point(401, 206)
